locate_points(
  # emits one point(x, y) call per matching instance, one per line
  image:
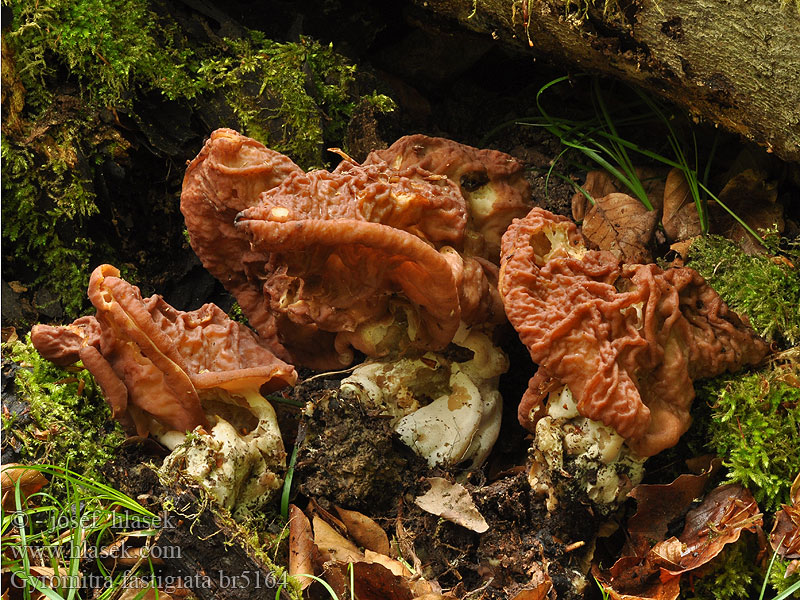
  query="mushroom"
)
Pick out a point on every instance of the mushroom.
point(446, 410)
point(228, 176)
point(366, 258)
point(493, 183)
point(628, 340)
point(167, 372)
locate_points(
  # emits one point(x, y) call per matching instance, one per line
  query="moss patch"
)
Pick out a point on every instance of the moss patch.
point(766, 290)
point(75, 70)
point(70, 422)
point(755, 420)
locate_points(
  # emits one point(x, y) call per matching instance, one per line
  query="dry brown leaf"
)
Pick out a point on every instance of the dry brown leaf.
point(622, 225)
point(451, 501)
point(785, 535)
point(365, 531)
point(302, 550)
point(725, 512)
point(601, 183)
point(395, 566)
point(632, 578)
point(752, 199)
point(8, 335)
point(373, 581)
point(598, 184)
point(314, 508)
point(30, 481)
point(659, 504)
point(679, 216)
point(332, 545)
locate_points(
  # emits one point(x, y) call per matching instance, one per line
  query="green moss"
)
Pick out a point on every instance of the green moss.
point(766, 290)
point(70, 421)
point(71, 67)
point(755, 419)
point(290, 96)
point(732, 575)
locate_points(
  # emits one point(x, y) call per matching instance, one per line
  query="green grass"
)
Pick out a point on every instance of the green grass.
point(58, 532)
point(600, 138)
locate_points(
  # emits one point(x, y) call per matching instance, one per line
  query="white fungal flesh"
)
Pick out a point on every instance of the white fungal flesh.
point(447, 411)
point(241, 471)
point(606, 468)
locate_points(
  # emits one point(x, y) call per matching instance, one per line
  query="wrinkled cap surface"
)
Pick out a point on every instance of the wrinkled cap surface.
point(370, 257)
point(492, 182)
point(228, 176)
point(151, 359)
point(628, 340)
point(62, 345)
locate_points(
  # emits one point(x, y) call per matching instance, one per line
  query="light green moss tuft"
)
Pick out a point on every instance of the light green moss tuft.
point(755, 417)
point(70, 424)
point(766, 290)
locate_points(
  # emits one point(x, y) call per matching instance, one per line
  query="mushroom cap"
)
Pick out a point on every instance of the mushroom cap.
point(492, 182)
point(355, 251)
point(228, 176)
point(151, 360)
point(627, 339)
point(62, 345)
point(339, 275)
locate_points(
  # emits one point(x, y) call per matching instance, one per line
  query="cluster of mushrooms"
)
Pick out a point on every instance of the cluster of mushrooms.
point(427, 246)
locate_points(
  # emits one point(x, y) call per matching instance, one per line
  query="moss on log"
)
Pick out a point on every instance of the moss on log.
point(735, 63)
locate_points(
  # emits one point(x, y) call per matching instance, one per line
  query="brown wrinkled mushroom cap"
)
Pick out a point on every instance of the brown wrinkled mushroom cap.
point(492, 182)
point(151, 360)
point(357, 251)
point(61, 345)
point(225, 178)
point(627, 339)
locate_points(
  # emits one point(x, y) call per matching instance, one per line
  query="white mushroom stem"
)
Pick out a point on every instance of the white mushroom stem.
point(600, 461)
point(448, 412)
point(240, 470)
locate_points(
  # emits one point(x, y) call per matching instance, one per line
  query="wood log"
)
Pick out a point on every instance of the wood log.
point(734, 63)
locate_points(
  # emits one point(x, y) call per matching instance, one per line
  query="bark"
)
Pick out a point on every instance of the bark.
point(735, 63)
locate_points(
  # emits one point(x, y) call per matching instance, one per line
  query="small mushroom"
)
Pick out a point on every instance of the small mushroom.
point(168, 372)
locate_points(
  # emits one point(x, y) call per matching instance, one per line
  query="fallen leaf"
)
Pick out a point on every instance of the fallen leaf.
point(9, 335)
point(597, 185)
point(373, 581)
point(30, 481)
point(622, 225)
point(660, 504)
point(365, 531)
point(332, 545)
point(302, 550)
point(451, 501)
point(632, 578)
point(724, 513)
point(395, 566)
point(785, 535)
point(679, 216)
point(754, 201)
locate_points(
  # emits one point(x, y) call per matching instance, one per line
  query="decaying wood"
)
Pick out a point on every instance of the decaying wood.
point(734, 63)
point(208, 552)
